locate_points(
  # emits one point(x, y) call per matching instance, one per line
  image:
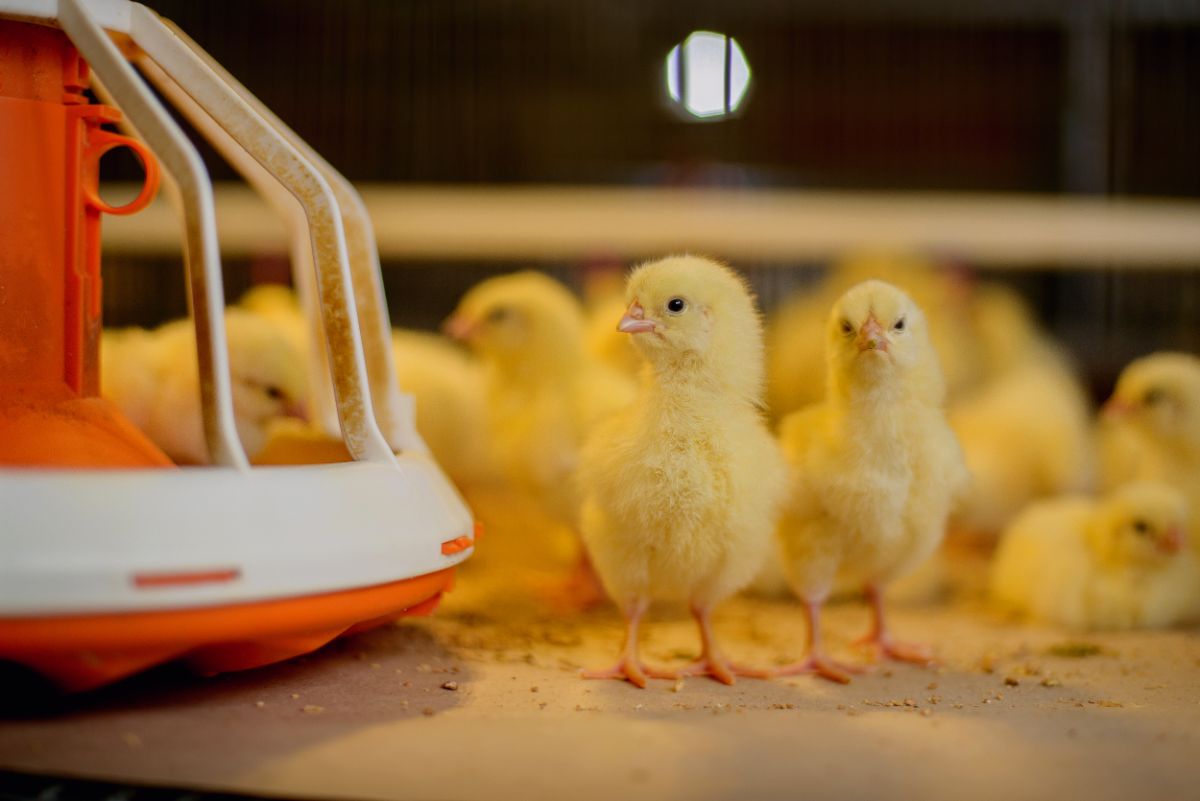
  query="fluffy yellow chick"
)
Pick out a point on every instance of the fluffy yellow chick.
point(1116, 563)
point(876, 467)
point(448, 386)
point(153, 377)
point(682, 489)
point(543, 392)
point(1150, 427)
point(1026, 430)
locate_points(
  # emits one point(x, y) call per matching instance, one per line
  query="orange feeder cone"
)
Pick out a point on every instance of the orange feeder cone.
point(51, 142)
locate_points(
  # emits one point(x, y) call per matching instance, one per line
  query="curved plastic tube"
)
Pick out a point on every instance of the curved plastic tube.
point(201, 256)
point(363, 438)
point(394, 417)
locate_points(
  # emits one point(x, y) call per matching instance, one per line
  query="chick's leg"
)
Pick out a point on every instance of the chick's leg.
point(816, 661)
point(712, 662)
point(880, 639)
point(629, 665)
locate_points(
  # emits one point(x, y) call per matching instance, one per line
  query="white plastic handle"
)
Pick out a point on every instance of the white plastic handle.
point(201, 256)
point(363, 438)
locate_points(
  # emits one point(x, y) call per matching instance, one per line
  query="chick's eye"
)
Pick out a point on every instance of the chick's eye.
point(899, 326)
point(676, 305)
point(1141, 526)
point(846, 327)
point(274, 393)
point(498, 314)
point(1154, 396)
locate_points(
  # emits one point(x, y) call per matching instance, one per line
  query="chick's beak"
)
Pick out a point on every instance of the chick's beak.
point(634, 321)
point(1172, 541)
point(295, 409)
point(871, 336)
point(1116, 409)
point(459, 327)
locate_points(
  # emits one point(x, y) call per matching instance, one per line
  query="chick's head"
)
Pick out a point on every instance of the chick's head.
point(876, 333)
point(1160, 394)
point(1142, 523)
point(693, 314)
point(267, 374)
point(521, 318)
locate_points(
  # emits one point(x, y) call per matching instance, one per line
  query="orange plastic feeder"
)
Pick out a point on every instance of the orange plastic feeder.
point(112, 564)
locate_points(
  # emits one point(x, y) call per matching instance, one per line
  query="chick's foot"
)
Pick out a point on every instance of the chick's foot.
point(632, 671)
point(820, 665)
point(883, 646)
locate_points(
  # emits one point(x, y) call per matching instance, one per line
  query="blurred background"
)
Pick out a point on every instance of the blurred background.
point(983, 100)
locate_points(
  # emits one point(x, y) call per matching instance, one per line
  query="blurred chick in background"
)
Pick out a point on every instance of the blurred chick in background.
point(1116, 563)
point(445, 381)
point(1026, 429)
point(1150, 427)
point(876, 467)
point(682, 488)
point(543, 393)
point(154, 378)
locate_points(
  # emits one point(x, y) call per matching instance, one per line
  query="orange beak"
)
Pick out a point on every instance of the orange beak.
point(459, 327)
point(871, 336)
point(296, 409)
point(634, 321)
point(1172, 541)
point(1116, 409)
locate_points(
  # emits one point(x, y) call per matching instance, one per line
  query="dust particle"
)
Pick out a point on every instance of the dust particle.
point(132, 740)
point(1050, 681)
point(428, 711)
point(295, 696)
point(260, 704)
point(533, 689)
point(450, 685)
point(312, 709)
point(1011, 681)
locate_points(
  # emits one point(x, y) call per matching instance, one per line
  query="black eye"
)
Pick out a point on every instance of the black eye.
point(498, 314)
point(846, 327)
point(1154, 396)
point(899, 326)
point(1141, 526)
point(676, 305)
point(274, 393)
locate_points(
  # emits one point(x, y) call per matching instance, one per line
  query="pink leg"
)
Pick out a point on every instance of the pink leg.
point(712, 662)
point(880, 639)
point(816, 661)
point(629, 665)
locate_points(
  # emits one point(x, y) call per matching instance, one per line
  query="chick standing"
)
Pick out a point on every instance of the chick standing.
point(1150, 427)
point(1115, 563)
point(682, 489)
point(154, 378)
point(876, 467)
point(543, 392)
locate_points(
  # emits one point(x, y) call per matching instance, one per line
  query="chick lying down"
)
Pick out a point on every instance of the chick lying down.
point(1120, 562)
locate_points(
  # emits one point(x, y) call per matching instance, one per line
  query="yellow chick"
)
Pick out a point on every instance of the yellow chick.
point(1150, 427)
point(876, 467)
point(448, 386)
point(1026, 430)
point(1115, 563)
point(153, 377)
point(543, 392)
point(682, 488)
